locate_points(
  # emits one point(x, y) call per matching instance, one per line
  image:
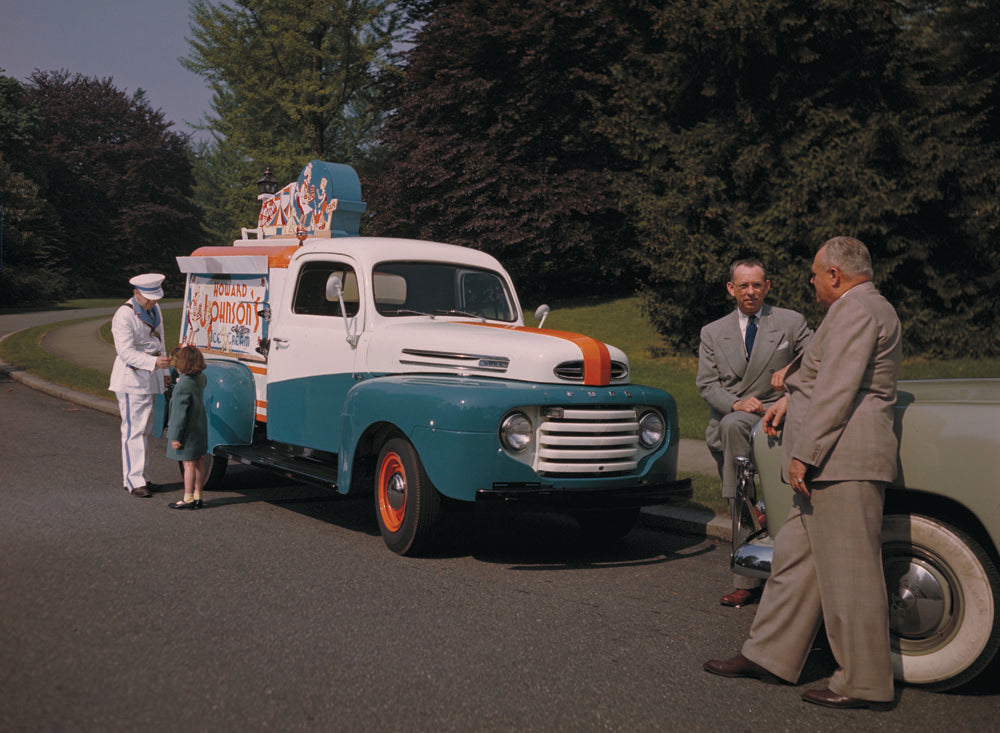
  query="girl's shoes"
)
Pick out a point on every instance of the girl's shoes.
point(196, 504)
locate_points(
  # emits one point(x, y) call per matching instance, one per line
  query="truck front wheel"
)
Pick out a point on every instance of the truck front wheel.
point(406, 503)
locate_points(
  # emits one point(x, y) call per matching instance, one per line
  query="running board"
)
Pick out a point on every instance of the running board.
point(267, 457)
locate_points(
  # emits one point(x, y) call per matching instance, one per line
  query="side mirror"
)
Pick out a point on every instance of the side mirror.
point(334, 287)
point(335, 291)
point(541, 313)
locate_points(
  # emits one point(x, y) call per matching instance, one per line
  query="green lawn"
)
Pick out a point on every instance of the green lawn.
point(619, 322)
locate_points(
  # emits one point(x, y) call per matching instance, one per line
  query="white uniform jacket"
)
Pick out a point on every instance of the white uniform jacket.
point(137, 344)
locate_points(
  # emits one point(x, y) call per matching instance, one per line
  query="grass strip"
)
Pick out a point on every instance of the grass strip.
point(24, 350)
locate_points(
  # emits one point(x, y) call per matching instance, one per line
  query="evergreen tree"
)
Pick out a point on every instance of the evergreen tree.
point(291, 82)
point(493, 145)
point(766, 128)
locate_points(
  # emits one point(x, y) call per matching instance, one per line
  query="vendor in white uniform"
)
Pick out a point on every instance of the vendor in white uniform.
point(140, 372)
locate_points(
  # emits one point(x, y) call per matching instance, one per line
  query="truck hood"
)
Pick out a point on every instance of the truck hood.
point(491, 349)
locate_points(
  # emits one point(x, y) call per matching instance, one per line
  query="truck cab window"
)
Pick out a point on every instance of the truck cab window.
point(310, 290)
point(440, 288)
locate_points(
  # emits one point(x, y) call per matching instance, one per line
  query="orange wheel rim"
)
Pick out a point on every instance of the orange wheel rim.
point(392, 492)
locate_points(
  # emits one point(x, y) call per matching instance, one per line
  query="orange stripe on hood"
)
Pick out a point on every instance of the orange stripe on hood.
point(596, 357)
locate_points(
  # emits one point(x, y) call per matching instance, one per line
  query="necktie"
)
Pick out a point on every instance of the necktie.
point(751, 334)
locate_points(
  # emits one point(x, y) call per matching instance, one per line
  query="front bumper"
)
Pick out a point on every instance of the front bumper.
point(540, 496)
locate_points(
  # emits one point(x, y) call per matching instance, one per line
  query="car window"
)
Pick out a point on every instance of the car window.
point(434, 288)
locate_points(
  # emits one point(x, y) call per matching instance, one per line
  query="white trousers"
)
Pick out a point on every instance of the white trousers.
point(137, 425)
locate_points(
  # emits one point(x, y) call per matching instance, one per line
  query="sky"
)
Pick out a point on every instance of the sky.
point(135, 42)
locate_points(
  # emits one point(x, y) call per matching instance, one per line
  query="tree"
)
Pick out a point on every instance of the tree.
point(291, 82)
point(766, 128)
point(32, 268)
point(117, 176)
point(493, 145)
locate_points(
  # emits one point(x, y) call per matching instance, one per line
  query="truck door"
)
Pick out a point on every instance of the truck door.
point(311, 362)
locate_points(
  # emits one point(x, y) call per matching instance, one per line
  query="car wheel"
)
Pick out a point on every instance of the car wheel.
point(406, 503)
point(609, 525)
point(215, 471)
point(944, 594)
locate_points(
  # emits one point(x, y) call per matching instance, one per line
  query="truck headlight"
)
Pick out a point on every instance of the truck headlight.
point(651, 429)
point(516, 432)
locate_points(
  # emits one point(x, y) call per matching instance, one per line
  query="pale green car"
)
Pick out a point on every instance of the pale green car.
point(941, 532)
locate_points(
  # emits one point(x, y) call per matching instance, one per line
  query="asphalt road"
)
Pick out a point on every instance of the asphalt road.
point(278, 607)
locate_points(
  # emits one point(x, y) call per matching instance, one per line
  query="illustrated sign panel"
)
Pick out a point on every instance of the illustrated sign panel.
point(222, 314)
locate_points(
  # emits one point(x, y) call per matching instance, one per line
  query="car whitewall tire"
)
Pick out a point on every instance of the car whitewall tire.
point(944, 595)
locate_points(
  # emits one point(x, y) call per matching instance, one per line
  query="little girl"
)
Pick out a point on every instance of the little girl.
point(187, 429)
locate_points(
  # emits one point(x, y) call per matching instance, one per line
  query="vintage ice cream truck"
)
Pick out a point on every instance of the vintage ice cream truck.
point(404, 368)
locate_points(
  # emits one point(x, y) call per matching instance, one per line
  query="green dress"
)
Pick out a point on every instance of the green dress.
point(188, 422)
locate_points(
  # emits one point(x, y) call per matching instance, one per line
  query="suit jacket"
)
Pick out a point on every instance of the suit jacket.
point(725, 375)
point(841, 394)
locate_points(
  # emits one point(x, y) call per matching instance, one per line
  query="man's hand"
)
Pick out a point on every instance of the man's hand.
point(162, 362)
point(797, 477)
point(774, 417)
point(750, 404)
point(778, 379)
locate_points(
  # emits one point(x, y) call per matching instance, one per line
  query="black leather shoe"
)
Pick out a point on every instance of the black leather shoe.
point(740, 666)
point(139, 491)
point(827, 698)
point(196, 504)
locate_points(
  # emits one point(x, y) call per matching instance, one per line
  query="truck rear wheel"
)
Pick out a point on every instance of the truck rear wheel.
point(406, 503)
point(215, 471)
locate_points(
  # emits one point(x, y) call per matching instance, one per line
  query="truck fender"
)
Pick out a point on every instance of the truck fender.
point(230, 402)
point(411, 406)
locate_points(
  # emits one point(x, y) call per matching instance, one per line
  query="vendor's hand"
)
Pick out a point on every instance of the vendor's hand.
point(163, 362)
point(175, 444)
point(774, 417)
point(797, 477)
point(750, 404)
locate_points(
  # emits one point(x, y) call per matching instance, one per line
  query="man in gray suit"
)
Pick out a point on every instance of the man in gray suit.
point(838, 453)
point(737, 360)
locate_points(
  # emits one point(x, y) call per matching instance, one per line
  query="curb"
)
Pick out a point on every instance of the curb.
point(57, 390)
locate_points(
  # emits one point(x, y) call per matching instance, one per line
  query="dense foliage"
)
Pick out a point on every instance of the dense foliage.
point(768, 127)
point(492, 142)
point(593, 146)
point(100, 189)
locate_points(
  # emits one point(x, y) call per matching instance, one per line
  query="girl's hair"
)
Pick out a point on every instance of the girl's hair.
point(187, 360)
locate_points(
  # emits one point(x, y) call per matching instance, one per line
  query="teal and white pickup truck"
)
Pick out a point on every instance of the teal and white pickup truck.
point(403, 368)
point(941, 531)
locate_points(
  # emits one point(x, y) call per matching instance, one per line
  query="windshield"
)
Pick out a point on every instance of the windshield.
point(436, 289)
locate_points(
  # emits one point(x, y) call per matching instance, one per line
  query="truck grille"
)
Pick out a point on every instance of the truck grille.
point(572, 371)
point(587, 442)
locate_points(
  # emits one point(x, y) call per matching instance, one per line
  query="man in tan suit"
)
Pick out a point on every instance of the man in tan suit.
point(838, 453)
point(737, 359)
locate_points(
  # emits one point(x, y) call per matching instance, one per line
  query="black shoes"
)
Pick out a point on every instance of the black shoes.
point(196, 504)
point(140, 492)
